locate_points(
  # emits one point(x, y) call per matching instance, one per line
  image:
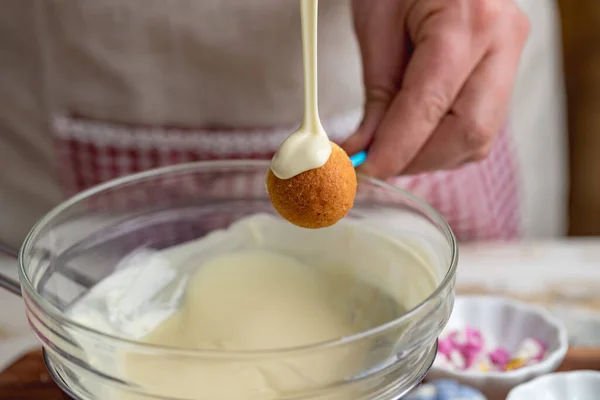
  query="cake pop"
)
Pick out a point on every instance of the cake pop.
point(319, 197)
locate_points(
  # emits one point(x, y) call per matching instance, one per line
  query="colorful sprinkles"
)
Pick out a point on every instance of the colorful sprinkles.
point(465, 350)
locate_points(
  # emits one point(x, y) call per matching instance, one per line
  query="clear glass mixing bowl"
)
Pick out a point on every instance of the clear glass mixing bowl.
point(83, 240)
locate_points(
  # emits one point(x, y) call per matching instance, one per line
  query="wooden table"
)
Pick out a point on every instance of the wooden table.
point(28, 379)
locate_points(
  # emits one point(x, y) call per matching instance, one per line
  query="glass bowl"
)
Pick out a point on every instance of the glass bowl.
point(71, 251)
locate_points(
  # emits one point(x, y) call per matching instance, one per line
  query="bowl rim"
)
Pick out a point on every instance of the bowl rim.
point(541, 380)
point(554, 358)
point(49, 310)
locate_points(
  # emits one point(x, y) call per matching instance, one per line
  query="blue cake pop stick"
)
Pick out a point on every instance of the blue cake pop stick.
point(358, 158)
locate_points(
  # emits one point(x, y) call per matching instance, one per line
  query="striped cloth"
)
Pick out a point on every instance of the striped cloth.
point(480, 201)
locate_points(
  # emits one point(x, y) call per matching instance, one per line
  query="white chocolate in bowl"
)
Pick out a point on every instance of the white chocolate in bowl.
point(262, 284)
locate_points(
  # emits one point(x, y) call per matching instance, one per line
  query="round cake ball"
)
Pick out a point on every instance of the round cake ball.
point(318, 197)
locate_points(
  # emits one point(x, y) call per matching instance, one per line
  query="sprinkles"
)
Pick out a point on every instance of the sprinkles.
point(466, 351)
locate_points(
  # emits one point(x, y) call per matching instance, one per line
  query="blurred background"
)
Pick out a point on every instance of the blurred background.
point(554, 123)
point(581, 38)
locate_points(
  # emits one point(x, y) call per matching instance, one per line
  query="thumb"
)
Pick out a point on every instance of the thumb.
point(383, 44)
point(362, 138)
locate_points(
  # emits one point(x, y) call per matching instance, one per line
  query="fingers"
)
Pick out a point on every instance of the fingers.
point(374, 111)
point(455, 91)
point(383, 45)
point(438, 69)
point(467, 133)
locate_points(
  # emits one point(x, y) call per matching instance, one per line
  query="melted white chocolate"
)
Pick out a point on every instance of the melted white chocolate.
point(309, 147)
point(261, 284)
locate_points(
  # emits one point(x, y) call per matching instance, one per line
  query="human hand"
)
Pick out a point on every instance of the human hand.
point(438, 78)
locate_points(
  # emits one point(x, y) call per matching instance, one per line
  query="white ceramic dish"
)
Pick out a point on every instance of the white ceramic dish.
point(504, 322)
point(578, 385)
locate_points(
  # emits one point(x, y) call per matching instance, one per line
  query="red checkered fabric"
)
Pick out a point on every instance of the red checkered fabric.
point(479, 201)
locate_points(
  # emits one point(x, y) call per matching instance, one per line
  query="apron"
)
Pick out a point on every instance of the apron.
point(479, 200)
point(94, 90)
